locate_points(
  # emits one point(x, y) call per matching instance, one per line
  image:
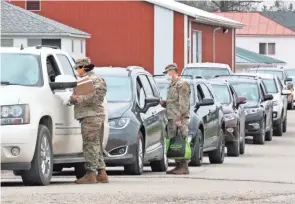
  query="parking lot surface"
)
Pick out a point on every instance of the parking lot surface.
point(265, 174)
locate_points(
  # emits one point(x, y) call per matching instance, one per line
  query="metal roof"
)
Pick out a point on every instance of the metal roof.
point(257, 24)
point(16, 21)
point(199, 15)
point(244, 56)
point(285, 18)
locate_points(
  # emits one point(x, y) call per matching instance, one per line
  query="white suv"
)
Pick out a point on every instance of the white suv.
point(38, 130)
point(206, 70)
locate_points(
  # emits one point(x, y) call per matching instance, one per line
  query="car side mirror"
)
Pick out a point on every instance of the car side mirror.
point(241, 100)
point(150, 102)
point(286, 92)
point(268, 97)
point(63, 82)
point(204, 102)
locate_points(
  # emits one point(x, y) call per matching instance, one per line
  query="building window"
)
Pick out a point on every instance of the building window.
point(6, 42)
point(33, 5)
point(271, 48)
point(197, 46)
point(52, 42)
point(267, 48)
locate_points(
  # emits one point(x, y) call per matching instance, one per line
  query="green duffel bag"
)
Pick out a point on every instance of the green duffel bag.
point(178, 148)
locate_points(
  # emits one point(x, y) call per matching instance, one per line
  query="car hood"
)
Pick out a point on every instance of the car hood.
point(276, 97)
point(227, 108)
point(116, 110)
point(13, 94)
point(251, 104)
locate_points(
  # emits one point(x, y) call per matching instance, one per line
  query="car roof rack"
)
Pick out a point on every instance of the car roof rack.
point(47, 46)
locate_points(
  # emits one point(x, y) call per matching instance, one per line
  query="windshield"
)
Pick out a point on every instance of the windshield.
point(163, 87)
point(248, 90)
point(20, 69)
point(272, 72)
point(291, 72)
point(222, 93)
point(118, 88)
point(205, 72)
point(270, 86)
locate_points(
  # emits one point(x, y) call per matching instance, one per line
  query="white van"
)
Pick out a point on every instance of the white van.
point(38, 130)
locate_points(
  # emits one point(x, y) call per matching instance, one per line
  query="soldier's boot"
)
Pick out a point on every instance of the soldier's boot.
point(183, 168)
point(89, 178)
point(177, 166)
point(102, 176)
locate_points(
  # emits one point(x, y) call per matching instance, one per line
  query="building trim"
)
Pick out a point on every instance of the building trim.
point(185, 40)
point(45, 34)
point(190, 42)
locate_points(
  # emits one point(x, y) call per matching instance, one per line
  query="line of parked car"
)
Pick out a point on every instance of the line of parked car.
point(40, 135)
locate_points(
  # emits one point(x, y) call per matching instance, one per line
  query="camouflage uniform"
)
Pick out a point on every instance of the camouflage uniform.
point(177, 109)
point(90, 112)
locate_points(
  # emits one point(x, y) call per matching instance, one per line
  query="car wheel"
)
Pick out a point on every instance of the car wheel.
point(137, 167)
point(278, 131)
point(57, 168)
point(268, 134)
point(80, 170)
point(233, 148)
point(242, 142)
point(285, 125)
point(197, 150)
point(260, 139)
point(42, 163)
point(161, 165)
point(217, 156)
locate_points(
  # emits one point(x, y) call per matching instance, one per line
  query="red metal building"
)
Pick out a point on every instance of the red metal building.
point(149, 33)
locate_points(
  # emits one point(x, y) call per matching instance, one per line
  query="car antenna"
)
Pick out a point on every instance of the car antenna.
point(21, 47)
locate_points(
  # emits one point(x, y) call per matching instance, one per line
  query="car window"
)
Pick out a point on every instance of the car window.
point(205, 72)
point(146, 85)
point(154, 86)
point(248, 90)
point(270, 86)
point(291, 72)
point(222, 93)
point(66, 65)
point(278, 73)
point(163, 87)
point(206, 91)
point(21, 69)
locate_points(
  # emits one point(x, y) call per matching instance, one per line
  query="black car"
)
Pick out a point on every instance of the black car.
point(258, 108)
point(234, 115)
point(206, 126)
point(137, 120)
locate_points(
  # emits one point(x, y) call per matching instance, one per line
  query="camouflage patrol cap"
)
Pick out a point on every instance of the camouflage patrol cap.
point(82, 62)
point(170, 67)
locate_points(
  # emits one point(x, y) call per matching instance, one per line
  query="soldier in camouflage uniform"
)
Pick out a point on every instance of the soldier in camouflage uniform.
point(90, 112)
point(177, 110)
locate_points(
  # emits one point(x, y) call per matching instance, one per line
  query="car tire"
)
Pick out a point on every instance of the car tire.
point(160, 165)
point(243, 142)
point(217, 156)
point(268, 134)
point(278, 131)
point(136, 168)
point(260, 139)
point(43, 155)
point(197, 150)
point(285, 125)
point(80, 170)
point(233, 148)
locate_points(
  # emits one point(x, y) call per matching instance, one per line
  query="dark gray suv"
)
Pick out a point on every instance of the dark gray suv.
point(137, 120)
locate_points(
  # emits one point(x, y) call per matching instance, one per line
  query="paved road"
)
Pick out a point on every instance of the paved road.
point(265, 174)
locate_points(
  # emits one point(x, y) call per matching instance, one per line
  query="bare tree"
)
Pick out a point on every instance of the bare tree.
point(225, 6)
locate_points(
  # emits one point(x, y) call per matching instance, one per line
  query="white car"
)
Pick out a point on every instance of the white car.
point(38, 130)
point(206, 70)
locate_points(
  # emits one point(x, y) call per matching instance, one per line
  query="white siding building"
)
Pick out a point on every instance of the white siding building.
point(20, 27)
